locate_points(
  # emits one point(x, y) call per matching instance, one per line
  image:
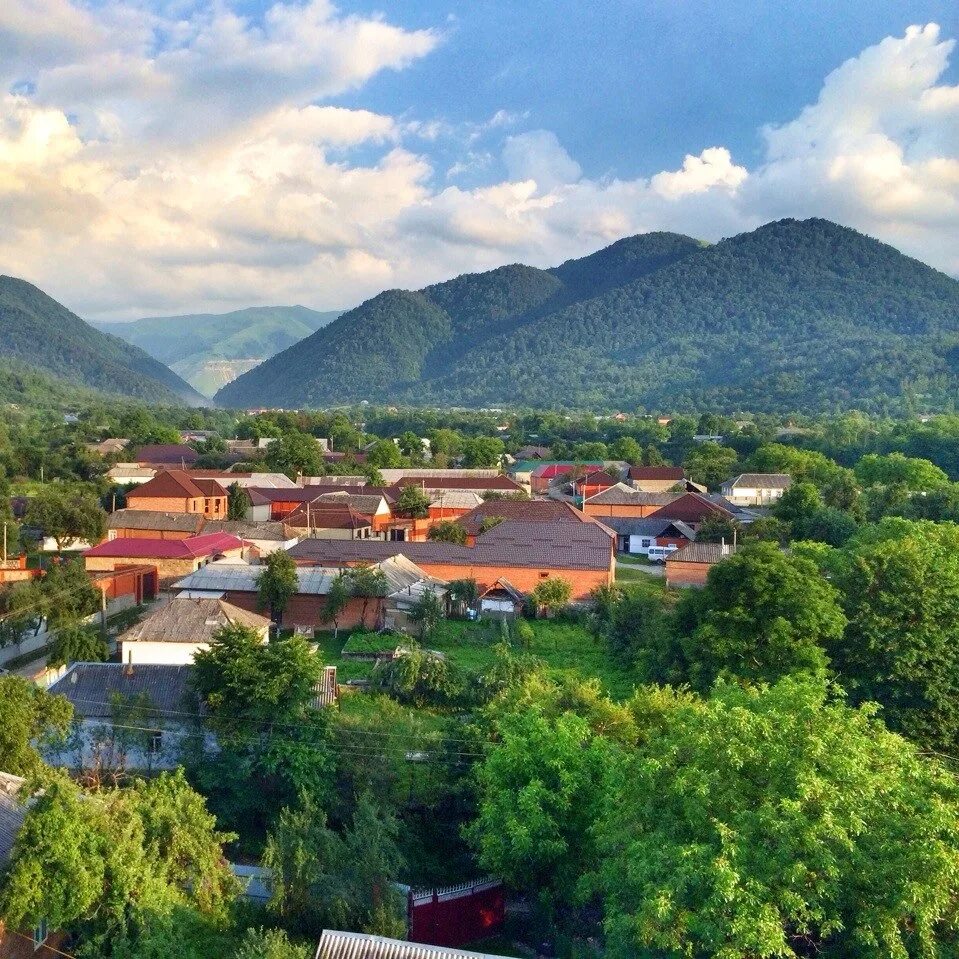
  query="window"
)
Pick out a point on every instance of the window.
point(543, 575)
point(40, 933)
point(647, 542)
point(156, 741)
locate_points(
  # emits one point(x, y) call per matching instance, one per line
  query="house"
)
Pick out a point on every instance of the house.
point(359, 945)
point(526, 511)
point(756, 489)
point(452, 503)
point(269, 503)
point(690, 565)
point(150, 524)
point(500, 600)
point(372, 504)
point(454, 480)
point(175, 632)
point(343, 480)
point(639, 536)
point(525, 553)
point(593, 482)
point(546, 474)
point(97, 690)
point(692, 508)
point(14, 569)
point(38, 943)
point(624, 501)
point(108, 447)
point(130, 474)
point(228, 478)
point(166, 455)
point(237, 584)
point(266, 538)
point(533, 453)
point(175, 491)
point(173, 558)
point(329, 520)
point(655, 479)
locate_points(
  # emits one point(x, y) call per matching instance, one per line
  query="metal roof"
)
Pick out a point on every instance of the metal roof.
point(184, 620)
point(358, 945)
point(702, 553)
point(90, 686)
point(760, 481)
point(12, 812)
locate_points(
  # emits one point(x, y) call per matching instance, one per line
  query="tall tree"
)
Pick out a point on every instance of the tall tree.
point(30, 718)
point(413, 502)
point(277, 584)
point(710, 464)
point(237, 503)
point(68, 512)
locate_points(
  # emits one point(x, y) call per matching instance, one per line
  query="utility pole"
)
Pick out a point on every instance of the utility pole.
point(4, 544)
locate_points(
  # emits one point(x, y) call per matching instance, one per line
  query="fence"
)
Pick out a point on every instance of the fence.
point(457, 914)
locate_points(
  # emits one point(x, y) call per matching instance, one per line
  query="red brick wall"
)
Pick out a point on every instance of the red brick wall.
point(152, 534)
point(213, 507)
point(625, 511)
point(686, 574)
point(309, 611)
point(20, 946)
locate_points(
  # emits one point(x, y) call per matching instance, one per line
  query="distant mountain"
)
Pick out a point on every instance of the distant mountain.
point(796, 315)
point(37, 332)
point(211, 349)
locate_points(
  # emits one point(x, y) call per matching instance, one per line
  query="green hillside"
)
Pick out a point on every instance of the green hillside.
point(210, 349)
point(38, 332)
point(796, 315)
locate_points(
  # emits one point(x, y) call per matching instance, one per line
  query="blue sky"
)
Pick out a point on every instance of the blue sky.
point(164, 156)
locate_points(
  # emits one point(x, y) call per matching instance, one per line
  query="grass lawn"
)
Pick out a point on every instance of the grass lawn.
point(565, 647)
point(625, 574)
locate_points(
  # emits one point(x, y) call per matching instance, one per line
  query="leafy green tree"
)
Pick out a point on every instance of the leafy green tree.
point(710, 464)
point(237, 503)
point(30, 718)
point(885, 470)
point(337, 599)
point(768, 529)
point(277, 584)
point(295, 453)
point(426, 613)
point(827, 525)
point(802, 465)
point(490, 522)
point(901, 648)
point(413, 502)
point(67, 595)
point(446, 442)
point(367, 582)
point(483, 452)
point(463, 593)
point(384, 454)
point(272, 744)
point(628, 450)
point(632, 623)
point(74, 643)
point(67, 512)
point(411, 446)
point(798, 502)
point(717, 529)
point(419, 677)
point(270, 944)
point(448, 531)
point(550, 595)
point(763, 614)
point(865, 854)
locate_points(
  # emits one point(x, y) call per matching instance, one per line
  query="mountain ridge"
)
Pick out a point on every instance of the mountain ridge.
point(40, 333)
point(792, 315)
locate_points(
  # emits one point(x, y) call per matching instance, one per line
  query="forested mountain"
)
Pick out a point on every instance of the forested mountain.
point(210, 349)
point(38, 332)
point(796, 315)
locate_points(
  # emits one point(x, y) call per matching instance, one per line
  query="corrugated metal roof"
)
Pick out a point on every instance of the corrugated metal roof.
point(358, 945)
point(184, 620)
point(702, 553)
point(152, 519)
point(90, 686)
point(760, 481)
point(11, 813)
point(146, 548)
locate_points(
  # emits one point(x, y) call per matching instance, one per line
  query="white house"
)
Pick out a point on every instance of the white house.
point(756, 489)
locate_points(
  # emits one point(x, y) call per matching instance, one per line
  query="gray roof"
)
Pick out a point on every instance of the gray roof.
point(242, 578)
point(149, 519)
point(191, 621)
point(12, 812)
point(702, 553)
point(358, 945)
point(365, 503)
point(512, 543)
point(273, 531)
point(90, 686)
point(623, 495)
point(650, 526)
point(761, 481)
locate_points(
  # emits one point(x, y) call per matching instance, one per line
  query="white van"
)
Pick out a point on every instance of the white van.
point(658, 554)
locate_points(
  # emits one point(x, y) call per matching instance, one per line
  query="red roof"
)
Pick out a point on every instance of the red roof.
point(690, 508)
point(525, 511)
point(460, 482)
point(191, 548)
point(325, 515)
point(177, 484)
point(167, 454)
point(551, 471)
point(597, 478)
point(656, 473)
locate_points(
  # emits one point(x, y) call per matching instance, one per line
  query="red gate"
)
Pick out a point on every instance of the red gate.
point(457, 914)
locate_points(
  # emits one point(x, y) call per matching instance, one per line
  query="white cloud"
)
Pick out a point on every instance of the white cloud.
point(205, 172)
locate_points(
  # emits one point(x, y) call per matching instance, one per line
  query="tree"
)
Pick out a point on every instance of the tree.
point(277, 584)
point(411, 446)
point(67, 595)
point(419, 677)
point(551, 594)
point(74, 643)
point(237, 503)
point(295, 453)
point(426, 613)
point(269, 944)
point(413, 502)
point(710, 464)
point(798, 502)
point(337, 599)
point(827, 525)
point(463, 593)
point(67, 512)
point(915, 474)
point(272, 744)
point(628, 450)
point(490, 522)
point(384, 454)
point(865, 857)
point(368, 583)
point(448, 531)
point(901, 648)
point(30, 719)
point(763, 614)
point(717, 529)
point(445, 442)
point(483, 452)
point(631, 622)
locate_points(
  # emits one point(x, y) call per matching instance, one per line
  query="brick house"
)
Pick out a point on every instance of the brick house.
point(175, 491)
point(639, 536)
point(655, 479)
point(593, 482)
point(624, 501)
point(546, 474)
point(690, 565)
point(526, 511)
point(151, 524)
point(692, 508)
point(173, 558)
point(329, 520)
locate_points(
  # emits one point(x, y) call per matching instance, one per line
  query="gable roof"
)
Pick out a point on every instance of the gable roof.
point(359, 945)
point(361, 501)
point(167, 454)
point(191, 621)
point(598, 477)
point(269, 531)
point(322, 514)
point(150, 519)
point(497, 481)
point(90, 686)
point(178, 484)
point(760, 481)
point(708, 553)
point(523, 510)
point(692, 508)
point(193, 547)
point(550, 471)
point(663, 473)
point(649, 526)
point(623, 495)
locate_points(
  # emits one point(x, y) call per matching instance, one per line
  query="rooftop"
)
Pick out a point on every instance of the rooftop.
point(675, 473)
point(12, 812)
point(272, 531)
point(191, 621)
point(90, 686)
point(525, 510)
point(359, 945)
point(177, 484)
point(149, 519)
point(167, 454)
point(623, 495)
point(192, 547)
point(761, 481)
point(708, 553)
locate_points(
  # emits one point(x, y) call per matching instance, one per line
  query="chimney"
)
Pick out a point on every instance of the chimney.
point(128, 666)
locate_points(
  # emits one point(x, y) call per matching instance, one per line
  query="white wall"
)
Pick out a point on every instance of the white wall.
point(176, 654)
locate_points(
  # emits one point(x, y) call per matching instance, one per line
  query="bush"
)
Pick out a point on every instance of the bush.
point(419, 677)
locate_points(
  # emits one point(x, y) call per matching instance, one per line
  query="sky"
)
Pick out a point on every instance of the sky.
point(175, 156)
